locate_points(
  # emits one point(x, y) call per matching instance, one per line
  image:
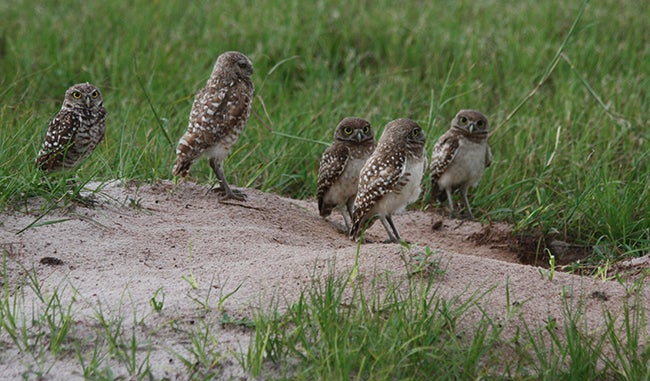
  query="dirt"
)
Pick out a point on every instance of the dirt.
point(212, 259)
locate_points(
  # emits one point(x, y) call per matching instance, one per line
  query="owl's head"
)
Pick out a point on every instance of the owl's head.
point(470, 122)
point(354, 129)
point(234, 63)
point(83, 95)
point(404, 130)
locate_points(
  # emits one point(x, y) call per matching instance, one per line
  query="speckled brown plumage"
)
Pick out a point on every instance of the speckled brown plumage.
point(460, 157)
point(218, 117)
point(391, 177)
point(340, 164)
point(75, 131)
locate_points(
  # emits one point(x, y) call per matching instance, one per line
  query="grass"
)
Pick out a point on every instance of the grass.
point(343, 325)
point(564, 84)
point(42, 326)
point(339, 330)
point(385, 328)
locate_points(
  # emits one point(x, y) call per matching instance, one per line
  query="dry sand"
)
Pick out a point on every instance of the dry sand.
point(142, 238)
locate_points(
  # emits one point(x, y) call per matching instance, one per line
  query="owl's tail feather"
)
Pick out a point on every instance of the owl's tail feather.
point(358, 224)
point(437, 193)
point(324, 209)
point(187, 152)
point(45, 162)
point(354, 230)
point(181, 168)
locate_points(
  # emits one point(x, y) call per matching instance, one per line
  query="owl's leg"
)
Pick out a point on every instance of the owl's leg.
point(227, 192)
point(466, 201)
point(451, 202)
point(348, 207)
point(346, 220)
point(387, 221)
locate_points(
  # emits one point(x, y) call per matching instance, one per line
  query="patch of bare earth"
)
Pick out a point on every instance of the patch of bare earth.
point(139, 239)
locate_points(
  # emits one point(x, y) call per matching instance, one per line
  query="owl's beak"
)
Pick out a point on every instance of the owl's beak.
point(471, 128)
point(357, 136)
point(87, 100)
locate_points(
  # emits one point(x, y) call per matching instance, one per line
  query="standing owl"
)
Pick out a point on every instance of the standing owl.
point(75, 130)
point(390, 179)
point(218, 117)
point(338, 174)
point(460, 157)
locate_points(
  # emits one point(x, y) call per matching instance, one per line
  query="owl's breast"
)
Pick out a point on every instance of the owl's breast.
point(220, 149)
point(345, 186)
point(408, 191)
point(412, 189)
point(352, 169)
point(467, 167)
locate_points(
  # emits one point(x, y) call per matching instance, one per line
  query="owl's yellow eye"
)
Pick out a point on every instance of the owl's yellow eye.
point(76, 94)
point(480, 123)
point(366, 129)
point(347, 130)
point(94, 94)
point(463, 119)
point(415, 132)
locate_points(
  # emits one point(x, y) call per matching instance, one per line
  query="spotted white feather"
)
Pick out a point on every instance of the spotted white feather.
point(390, 179)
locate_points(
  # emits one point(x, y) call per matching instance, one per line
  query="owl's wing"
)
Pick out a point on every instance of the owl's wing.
point(332, 165)
point(216, 109)
point(209, 109)
point(377, 179)
point(238, 101)
point(443, 154)
point(58, 140)
point(205, 126)
point(488, 156)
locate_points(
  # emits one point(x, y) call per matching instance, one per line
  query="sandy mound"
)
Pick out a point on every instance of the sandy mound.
point(142, 238)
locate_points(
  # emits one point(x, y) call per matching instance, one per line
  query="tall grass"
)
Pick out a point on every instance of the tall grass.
point(573, 162)
point(389, 328)
point(339, 329)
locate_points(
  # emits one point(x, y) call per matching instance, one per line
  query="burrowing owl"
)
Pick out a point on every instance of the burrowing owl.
point(218, 116)
point(391, 177)
point(460, 157)
point(338, 174)
point(75, 130)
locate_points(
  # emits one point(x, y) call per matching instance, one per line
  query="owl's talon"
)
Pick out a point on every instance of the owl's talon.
point(234, 195)
point(229, 194)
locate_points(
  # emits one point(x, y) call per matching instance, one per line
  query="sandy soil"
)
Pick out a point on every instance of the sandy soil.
point(142, 238)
